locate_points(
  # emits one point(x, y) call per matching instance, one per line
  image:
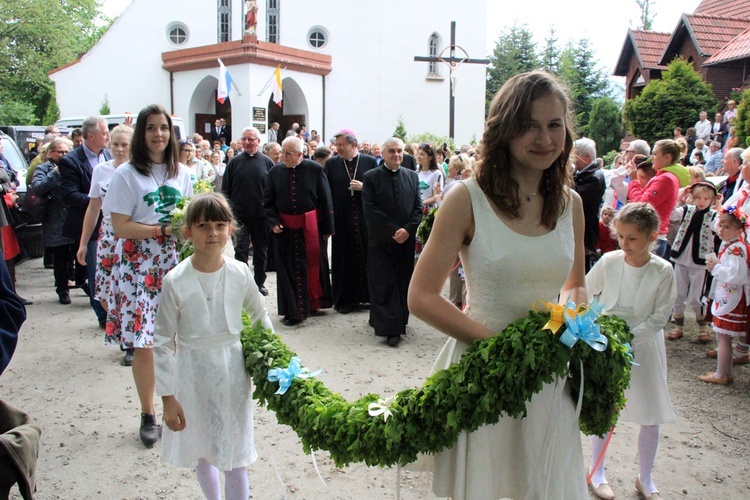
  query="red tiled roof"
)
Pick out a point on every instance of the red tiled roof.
point(738, 48)
point(649, 46)
point(735, 9)
point(712, 33)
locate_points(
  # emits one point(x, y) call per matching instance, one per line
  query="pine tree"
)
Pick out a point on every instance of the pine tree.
point(578, 68)
point(400, 131)
point(514, 53)
point(550, 57)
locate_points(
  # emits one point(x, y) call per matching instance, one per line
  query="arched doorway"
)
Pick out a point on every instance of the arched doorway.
point(293, 107)
point(205, 109)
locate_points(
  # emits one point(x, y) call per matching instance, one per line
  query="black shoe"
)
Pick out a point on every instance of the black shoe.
point(344, 309)
point(64, 297)
point(290, 322)
point(149, 430)
point(394, 340)
point(263, 290)
point(317, 312)
point(25, 302)
point(128, 359)
point(103, 324)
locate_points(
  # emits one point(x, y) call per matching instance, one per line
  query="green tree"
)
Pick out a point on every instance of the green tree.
point(37, 36)
point(104, 109)
point(53, 110)
point(605, 124)
point(400, 131)
point(647, 13)
point(550, 56)
point(514, 53)
point(672, 101)
point(435, 140)
point(742, 122)
point(578, 67)
point(14, 112)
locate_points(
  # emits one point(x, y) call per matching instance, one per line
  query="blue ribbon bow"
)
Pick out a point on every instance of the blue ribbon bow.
point(284, 376)
point(583, 326)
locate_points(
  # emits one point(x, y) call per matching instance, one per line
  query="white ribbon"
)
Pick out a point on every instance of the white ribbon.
point(382, 407)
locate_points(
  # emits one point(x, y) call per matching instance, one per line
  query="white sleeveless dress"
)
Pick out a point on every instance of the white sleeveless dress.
point(537, 457)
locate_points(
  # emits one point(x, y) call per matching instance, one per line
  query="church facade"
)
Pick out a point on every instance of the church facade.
point(343, 65)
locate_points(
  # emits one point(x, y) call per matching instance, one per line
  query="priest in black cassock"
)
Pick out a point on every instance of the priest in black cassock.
point(349, 249)
point(298, 205)
point(393, 209)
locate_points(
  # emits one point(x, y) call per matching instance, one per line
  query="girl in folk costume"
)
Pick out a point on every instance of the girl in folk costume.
point(729, 291)
point(140, 197)
point(639, 287)
point(694, 241)
point(200, 367)
point(740, 199)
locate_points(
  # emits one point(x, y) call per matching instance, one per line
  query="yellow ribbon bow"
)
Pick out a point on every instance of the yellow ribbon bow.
point(557, 313)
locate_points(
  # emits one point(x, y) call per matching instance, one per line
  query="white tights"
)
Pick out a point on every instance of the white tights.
point(648, 443)
point(236, 485)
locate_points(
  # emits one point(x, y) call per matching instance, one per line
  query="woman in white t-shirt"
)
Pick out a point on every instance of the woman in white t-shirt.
point(142, 194)
point(119, 145)
point(431, 178)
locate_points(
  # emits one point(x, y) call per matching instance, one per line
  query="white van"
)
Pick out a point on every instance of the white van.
point(115, 120)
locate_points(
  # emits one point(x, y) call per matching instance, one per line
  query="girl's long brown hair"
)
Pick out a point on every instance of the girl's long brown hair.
point(508, 118)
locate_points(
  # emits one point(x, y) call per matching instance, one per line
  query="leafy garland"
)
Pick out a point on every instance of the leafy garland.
point(495, 376)
point(184, 246)
point(425, 226)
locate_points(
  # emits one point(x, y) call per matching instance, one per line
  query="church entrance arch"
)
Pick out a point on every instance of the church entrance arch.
point(205, 109)
point(293, 108)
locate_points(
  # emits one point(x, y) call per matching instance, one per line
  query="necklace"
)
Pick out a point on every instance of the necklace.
point(528, 197)
point(351, 177)
point(210, 277)
point(159, 186)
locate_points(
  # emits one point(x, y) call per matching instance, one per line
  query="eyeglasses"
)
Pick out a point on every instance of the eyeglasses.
point(291, 153)
point(61, 152)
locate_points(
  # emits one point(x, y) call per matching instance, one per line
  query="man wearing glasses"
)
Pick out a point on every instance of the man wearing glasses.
point(243, 184)
point(299, 208)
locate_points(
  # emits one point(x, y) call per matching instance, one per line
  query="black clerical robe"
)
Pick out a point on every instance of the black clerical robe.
point(391, 201)
point(349, 243)
point(294, 197)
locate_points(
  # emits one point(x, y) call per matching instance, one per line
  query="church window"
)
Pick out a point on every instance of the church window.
point(272, 21)
point(434, 44)
point(317, 37)
point(224, 22)
point(177, 34)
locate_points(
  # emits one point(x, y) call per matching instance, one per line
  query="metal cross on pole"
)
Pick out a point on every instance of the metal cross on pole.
point(453, 63)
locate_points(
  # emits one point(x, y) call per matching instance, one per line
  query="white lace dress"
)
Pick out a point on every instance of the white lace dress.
point(536, 457)
point(203, 364)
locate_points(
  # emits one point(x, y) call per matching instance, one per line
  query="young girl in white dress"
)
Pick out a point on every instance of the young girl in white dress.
point(729, 291)
point(639, 287)
point(200, 367)
point(518, 228)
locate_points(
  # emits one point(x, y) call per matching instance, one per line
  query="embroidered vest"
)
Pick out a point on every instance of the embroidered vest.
point(705, 235)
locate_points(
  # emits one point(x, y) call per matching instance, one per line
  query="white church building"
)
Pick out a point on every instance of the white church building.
point(344, 64)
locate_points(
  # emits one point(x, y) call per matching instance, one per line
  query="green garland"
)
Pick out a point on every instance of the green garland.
point(495, 376)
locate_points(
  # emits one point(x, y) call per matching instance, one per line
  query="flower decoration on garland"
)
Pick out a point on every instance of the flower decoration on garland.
point(735, 212)
point(285, 376)
point(495, 377)
point(425, 226)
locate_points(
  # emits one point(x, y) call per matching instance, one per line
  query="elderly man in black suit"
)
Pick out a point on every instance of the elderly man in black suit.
point(590, 184)
point(75, 170)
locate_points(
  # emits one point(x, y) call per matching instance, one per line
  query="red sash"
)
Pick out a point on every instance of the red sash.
point(308, 222)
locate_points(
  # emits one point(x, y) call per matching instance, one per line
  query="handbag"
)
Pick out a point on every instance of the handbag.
point(37, 206)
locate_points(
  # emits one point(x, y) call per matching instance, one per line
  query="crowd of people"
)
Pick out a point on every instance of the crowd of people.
point(527, 214)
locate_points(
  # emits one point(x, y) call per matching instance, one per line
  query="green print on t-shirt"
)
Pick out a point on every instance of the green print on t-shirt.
point(165, 198)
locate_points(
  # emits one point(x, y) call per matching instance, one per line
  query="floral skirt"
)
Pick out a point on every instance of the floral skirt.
point(733, 323)
point(139, 266)
point(105, 253)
